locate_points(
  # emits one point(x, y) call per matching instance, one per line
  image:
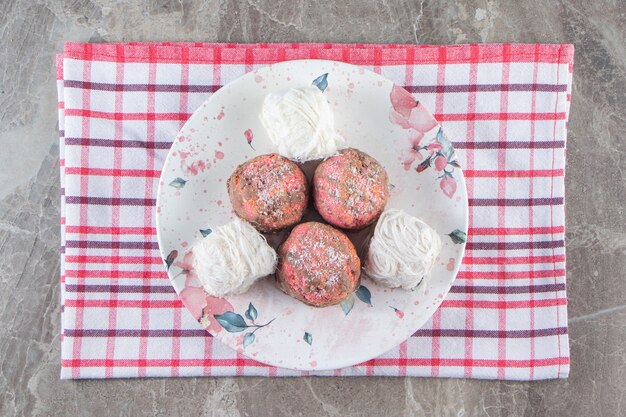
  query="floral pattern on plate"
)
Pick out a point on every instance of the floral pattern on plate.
point(410, 114)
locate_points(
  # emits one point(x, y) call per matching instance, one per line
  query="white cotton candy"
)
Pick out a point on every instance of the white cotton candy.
point(402, 251)
point(232, 258)
point(301, 124)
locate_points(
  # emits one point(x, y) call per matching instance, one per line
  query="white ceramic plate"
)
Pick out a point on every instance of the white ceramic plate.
point(374, 116)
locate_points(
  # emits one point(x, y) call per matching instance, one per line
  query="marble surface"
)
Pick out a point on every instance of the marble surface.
point(33, 31)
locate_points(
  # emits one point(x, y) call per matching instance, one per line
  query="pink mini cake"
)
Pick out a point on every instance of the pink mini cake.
point(269, 191)
point(350, 189)
point(318, 265)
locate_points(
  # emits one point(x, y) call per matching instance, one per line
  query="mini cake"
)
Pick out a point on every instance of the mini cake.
point(232, 258)
point(269, 191)
point(402, 251)
point(318, 265)
point(350, 189)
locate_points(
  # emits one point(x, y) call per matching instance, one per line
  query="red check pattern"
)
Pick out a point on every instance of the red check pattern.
point(504, 105)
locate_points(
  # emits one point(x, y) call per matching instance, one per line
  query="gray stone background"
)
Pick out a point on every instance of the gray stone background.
point(32, 32)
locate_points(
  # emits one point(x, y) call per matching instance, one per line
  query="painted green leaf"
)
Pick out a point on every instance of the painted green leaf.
point(205, 232)
point(308, 337)
point(391, 187)
point(178, 182)
point(321, 82)
point(458, 236)
point(347, 304)
point(446, 146)
point(251, 313)
point(170, 258)
point(248, 338)
point(364, 294)
point(455, 164)
point(231, 322)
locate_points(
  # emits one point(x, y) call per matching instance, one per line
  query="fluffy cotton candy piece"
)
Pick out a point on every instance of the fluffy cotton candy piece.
point(232, 258)
point(300, 124)
point(402, 251)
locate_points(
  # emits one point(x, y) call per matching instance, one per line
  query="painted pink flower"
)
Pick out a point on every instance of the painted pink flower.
point(408, 113)
point(214, 305)
point(415, 138)
point(397, 119)
point(402, 101)
point(194, 299)
point(192, 296)
point(448, 185)
point(421, 120)
point(440, 162)
point(187, 266)
point(411, 156)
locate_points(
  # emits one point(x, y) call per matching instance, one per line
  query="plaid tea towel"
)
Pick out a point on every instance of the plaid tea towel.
point(504, 105)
